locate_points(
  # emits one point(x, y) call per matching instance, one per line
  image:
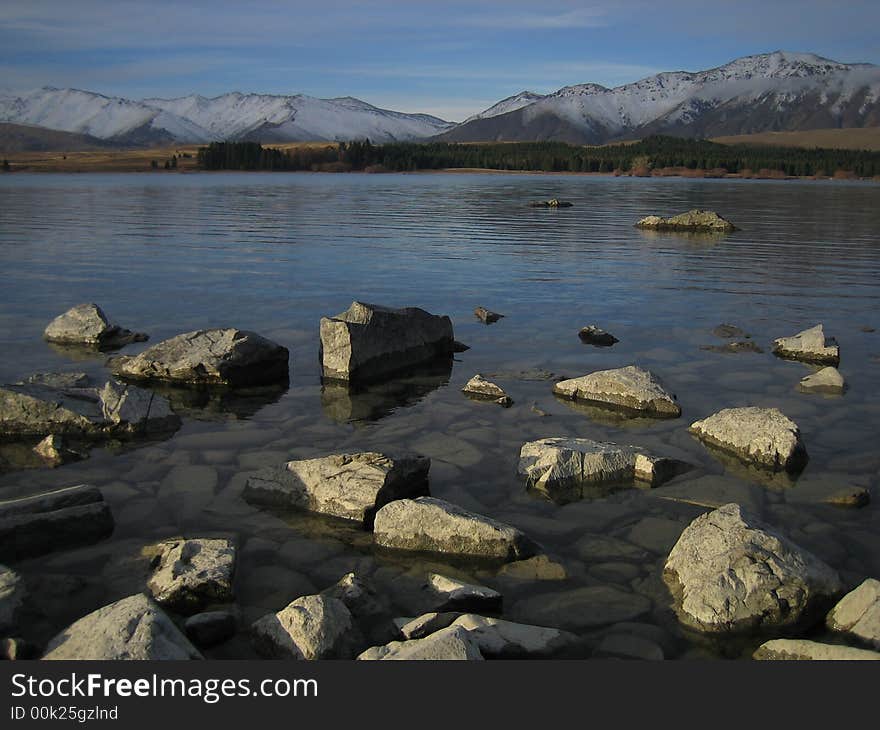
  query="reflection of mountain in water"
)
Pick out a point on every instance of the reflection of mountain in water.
point(219, 403)
point(346, 402)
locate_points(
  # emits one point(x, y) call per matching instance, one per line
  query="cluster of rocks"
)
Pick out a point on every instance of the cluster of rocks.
point(552, 203)
point(693, 220)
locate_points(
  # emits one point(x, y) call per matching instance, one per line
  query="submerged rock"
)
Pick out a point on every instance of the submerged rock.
point(311, 627)
point(594, 335)
point(192, 574)
point(433, 525)
point(350, 486)
point(582, 608)
point(763, 437)
point(210, 628)
point(729, 331)
point(858, 613)
point(479, 387)
point(58, 380)
point(629, 388)
point(86, 324)
point(368, 341)
point(133, 628)
point(487, 316)
point(12, 593)
point(31, 526)
point(809, 346)
point(693, 220)
point(455, 595)
point(552, 203)
point(804, 650)
point(827, 380)
point(735, 347)
point(559, 466)
point(451, 643)
point(208, 357)
point(730, 573)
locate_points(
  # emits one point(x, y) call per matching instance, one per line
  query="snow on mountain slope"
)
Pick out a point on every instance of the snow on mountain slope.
point(510, 104)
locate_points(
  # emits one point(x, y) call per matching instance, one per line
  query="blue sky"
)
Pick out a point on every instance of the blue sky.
point(445, 58)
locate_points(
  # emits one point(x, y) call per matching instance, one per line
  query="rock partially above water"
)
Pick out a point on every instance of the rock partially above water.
point(133, 628)
point(479, 387)
point(86, 324)
point(500, 639)
point(311, 627)
point(12, 593)
point(729, 331)
point(735, 347)
point(487, 316)
point(629, 388)
point(449, 644)
point(54, 451)
point(552, 203)
point(557, 466)
point(730, 573)
point(192, 574)
point(809, 346)
point(208, 357)
point(350, 486)
point(594, 335)
point(433, 525)
point(760, 436)
point(858, 613)
point(804, 650)
point(827, 380)
point(693, 220)
point(455, 595)
point(368, 341)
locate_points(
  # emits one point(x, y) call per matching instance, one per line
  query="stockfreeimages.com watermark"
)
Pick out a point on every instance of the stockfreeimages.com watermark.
point(211, 691)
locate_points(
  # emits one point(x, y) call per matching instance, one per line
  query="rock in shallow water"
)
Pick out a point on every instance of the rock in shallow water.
point(760, 436)
point(86, 324)
point(809, 346)
point(433, 525)
point(629, 388)
point(730, 573)
point(858, 613)
point(803, 650)
point(582, 608)
point(311, 627)
point(210, 628)
point(368, 341)
point(350, 486)
point(208, 357)
point(453, 643)
point(693, 220)
point(479, 387)
point(192, 574)
point(827, 380)
point(133, 628)
point(487, 316)
point(593, 335)
point(455, 595)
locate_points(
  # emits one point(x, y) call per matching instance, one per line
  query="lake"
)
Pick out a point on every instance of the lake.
point(168, 253)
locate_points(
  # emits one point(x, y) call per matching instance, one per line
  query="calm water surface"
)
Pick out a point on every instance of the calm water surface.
point(273, 253)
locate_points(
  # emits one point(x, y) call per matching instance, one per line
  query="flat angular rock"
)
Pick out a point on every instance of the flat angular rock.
point(115, 410)
point(858, 613)
point(311, 627)
point(730, 573)
point(427, 623)
point(450, 644)
point(350, 486)
point(809, 346)
point(210, 628)
point(594, 335)
point(455, 595)
point(500, 639)
point(12, 593)
point(540, 567)
point(208, 357)
point(192, 574)
point(693, 220)
point(827, 380)
point(559, 466)
point(433, 525)
point(582, 608)
point(35, 525)
point(479, 387)
point(133, 628)
point(86, 324)
point(368, 341)
point(54, 451)
point(763, 437)
point(729, 331)
point(629, 388)
point(803, 650)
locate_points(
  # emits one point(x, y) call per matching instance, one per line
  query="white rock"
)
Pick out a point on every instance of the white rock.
point(826, 380)
point(730, 573)
point(629, 388)
point(428, 623)
point(133, 628)
point(192, 574)
point(504, 639)
point(479, 387)
point(858, 613)
point(455, 595)
point(801, 650)
point(311, 627)
point(761, 436)
point(450, 644)
point(809, 345)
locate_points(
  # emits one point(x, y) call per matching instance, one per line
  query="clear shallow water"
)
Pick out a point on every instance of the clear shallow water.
point(274, 253)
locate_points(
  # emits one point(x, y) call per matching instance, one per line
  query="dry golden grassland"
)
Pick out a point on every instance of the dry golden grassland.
point(866, 138)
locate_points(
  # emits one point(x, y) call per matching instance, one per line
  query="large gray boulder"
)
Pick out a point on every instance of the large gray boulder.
point(730, 573)
point(809, 346)
point(433, 525)
point(115, 410)
point(12, 593)
point(562, 466)
point(35, 525)
point(693, 220)
point(192, 574)
point(133, 628)
point(858, 613)
point(311, 627)
point(804, 650)
point(86, 324)
point(453, 643)
point(629, 388)
point(350, 486)
point(763, 437)
point(368, 341)
point(208, 357)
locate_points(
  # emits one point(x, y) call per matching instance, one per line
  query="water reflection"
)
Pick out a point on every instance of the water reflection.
point(220, 403)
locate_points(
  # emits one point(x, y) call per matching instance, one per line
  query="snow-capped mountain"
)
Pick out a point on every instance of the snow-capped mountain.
point(773, 91)
point(510, 104)
point(198, 119)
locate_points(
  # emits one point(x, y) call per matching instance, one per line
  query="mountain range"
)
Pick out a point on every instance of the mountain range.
point(777, 91)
